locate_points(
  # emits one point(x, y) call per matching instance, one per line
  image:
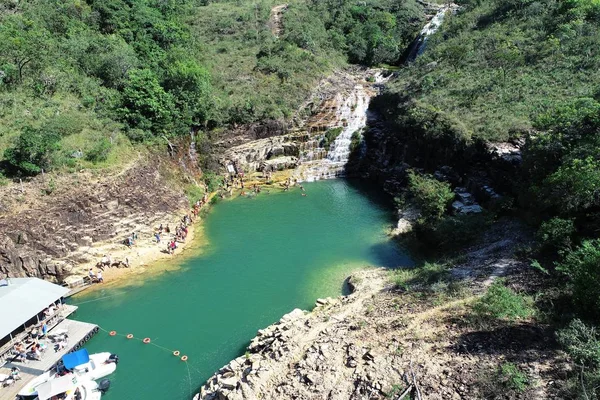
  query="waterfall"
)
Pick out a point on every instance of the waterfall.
point(351, 115)
point(418, 46)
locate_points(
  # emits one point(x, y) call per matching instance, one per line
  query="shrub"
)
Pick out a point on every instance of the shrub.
point(431, 195)
point(212, 181)
point(512, 377)
point(582, 266)
point(99, 152)
point(32, 151)
point(501, 302)
point(355, 140)
point(582, 342)
point(555, 234)
point(575, 187)
point(330, 137)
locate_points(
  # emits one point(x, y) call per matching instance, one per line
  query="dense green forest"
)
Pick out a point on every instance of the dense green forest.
point(528, 71)
point(83, 83)
point(82, 80)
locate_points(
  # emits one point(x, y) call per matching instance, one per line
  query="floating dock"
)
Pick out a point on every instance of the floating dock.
point(79, 333)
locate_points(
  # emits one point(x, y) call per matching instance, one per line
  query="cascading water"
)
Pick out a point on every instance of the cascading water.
point(418, 46)
point(351, 115)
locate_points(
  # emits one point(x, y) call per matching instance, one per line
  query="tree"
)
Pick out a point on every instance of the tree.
point(431, 195)
point(32, 151)
point(22, 42)
point(189, 83)
point(145, 104)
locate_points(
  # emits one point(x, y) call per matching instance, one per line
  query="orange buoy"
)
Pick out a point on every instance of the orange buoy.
point(130, 336)
point(183, 358)
point(113, 333)
point(146, 340)
point(176, 353)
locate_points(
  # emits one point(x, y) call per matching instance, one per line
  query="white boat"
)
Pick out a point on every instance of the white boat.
point(73, 388)
point(78, 364)
point(91, 367)
point(30, 390)
point(98, 366)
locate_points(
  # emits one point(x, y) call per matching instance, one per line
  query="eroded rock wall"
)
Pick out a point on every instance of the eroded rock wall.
point(50, 235)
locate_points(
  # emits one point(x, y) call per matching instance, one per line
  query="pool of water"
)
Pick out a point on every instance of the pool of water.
point(264, 257)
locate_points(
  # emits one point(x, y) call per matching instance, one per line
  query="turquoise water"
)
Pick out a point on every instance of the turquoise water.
point(264, 257)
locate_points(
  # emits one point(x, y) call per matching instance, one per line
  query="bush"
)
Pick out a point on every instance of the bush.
point(99, 152)
point(582, 342)
point(212, 181)
point(555, 234)
point(582, 266)
point(32, 151)
point(501, 302)
point(330, 137)
point(355, 140)
point(512, 377)
point(431, 195)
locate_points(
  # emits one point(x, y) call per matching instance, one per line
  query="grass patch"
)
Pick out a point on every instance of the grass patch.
point(193, 193)
point(504, 381)
point(503, 303)
point(513, 378)
point(427, 276)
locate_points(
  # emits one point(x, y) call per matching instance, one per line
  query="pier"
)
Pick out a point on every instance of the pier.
point(79, 333)
point(36, 313)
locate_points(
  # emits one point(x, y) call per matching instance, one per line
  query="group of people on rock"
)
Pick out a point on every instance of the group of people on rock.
point(95, 277)
point(237, 181)
point(130, 240)
point(181, 231)
point(200, 203)
point(105, 262)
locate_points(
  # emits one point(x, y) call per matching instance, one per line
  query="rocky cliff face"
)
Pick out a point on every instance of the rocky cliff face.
point(397, 140)
point(51, 234)
point(331, 106)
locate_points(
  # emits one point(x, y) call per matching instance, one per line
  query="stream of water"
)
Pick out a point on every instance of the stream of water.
point(265, 256)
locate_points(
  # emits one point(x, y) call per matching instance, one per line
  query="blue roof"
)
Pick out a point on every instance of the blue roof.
point(76, 358)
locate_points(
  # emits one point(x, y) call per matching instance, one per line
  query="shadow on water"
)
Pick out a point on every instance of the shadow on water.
point(375, 195)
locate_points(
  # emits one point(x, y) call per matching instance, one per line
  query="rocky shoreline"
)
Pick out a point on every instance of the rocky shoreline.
point(308, 342)
point(385, 341)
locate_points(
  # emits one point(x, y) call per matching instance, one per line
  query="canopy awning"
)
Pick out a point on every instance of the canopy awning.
point(57, 386)
point(24, 298)
point(76, 358)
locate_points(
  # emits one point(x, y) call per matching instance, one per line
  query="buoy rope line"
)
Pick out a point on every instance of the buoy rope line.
point(189, 376)
point(98, 299)
point(147, 340)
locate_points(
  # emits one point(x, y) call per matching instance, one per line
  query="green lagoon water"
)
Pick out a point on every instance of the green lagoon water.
point(264, 257)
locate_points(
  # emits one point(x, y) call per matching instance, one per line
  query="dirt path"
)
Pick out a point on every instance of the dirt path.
point(275, 22)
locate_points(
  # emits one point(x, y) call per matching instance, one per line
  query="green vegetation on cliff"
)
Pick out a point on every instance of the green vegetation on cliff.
point(97, 75)
point(526, 70)
point(497, 66)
